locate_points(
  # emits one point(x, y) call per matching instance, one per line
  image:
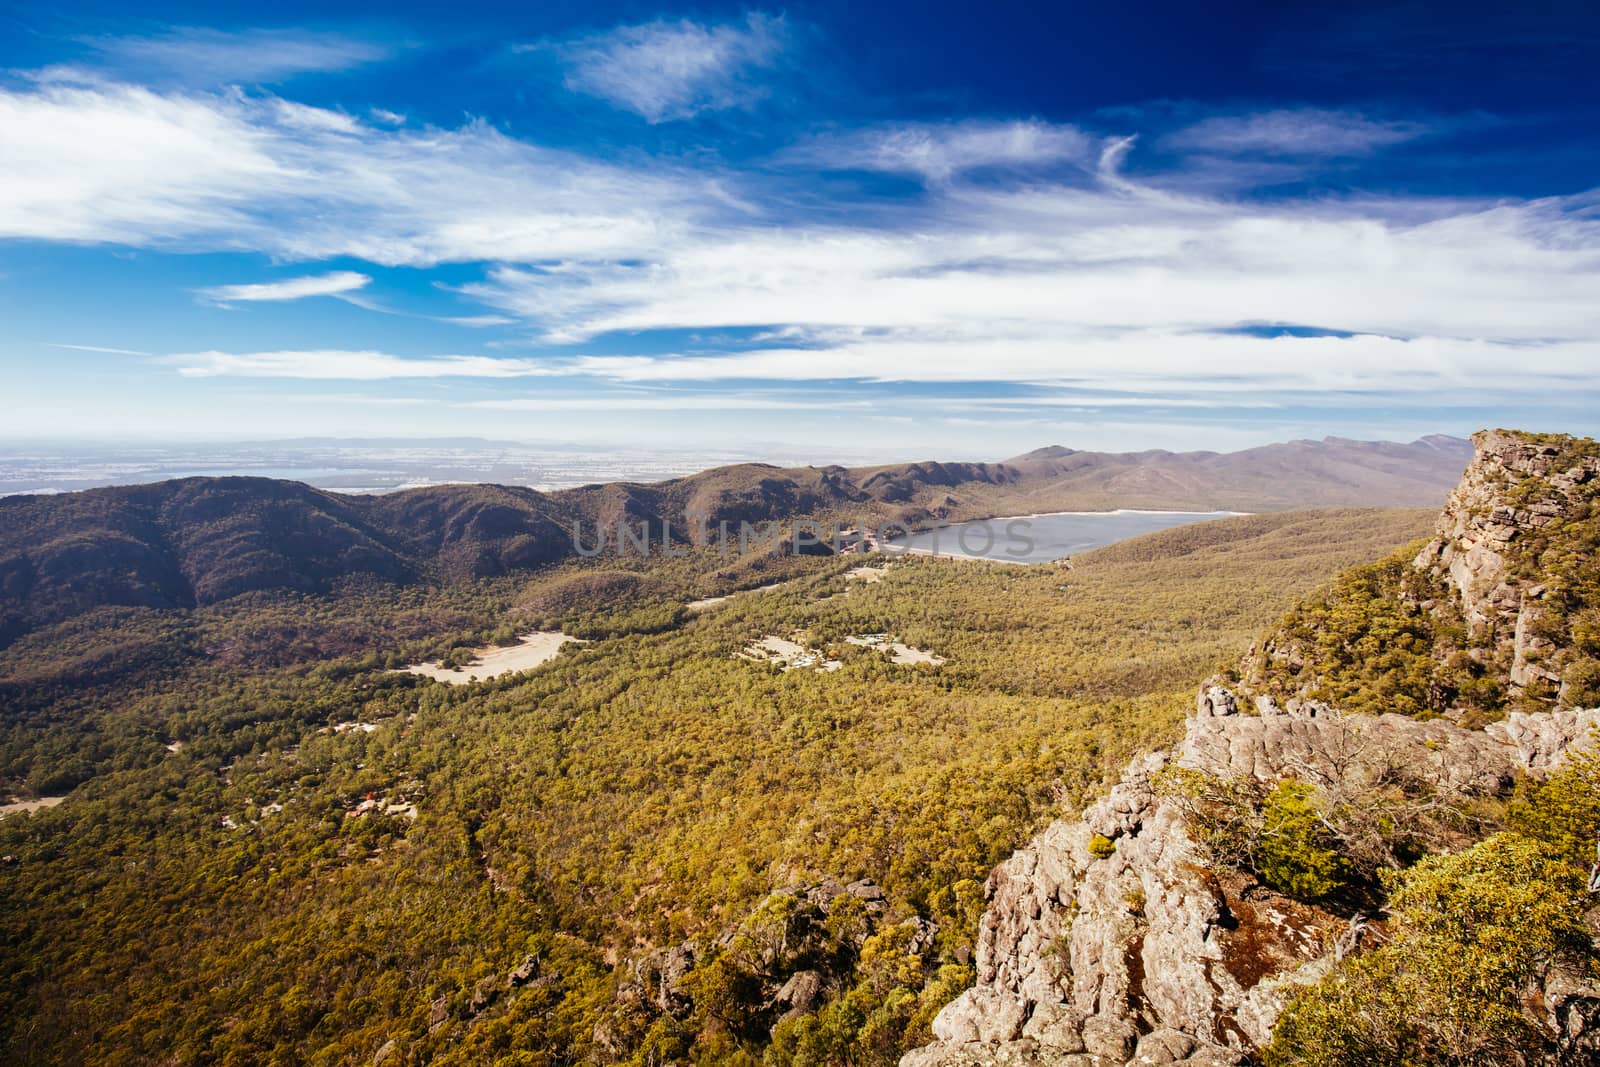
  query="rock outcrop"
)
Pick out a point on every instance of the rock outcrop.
point(1106, 942)
point(1516, 487)
point(1499, 610)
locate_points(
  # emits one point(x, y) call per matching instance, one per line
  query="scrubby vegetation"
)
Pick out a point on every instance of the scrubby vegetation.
point(1281, 833)
point(1382, 637)
point(621, 857)
point(1474, 940)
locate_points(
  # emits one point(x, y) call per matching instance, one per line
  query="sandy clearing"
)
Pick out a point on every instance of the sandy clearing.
point(28, 805)
point(906, 654)
point(536, 648)
point(866, 574)
point(898, 652)
point(931, 554)
point(779, 646)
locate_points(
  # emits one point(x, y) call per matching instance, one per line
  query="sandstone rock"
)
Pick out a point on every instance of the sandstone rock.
point(1163, 1046)
point(800, 994)
point(1011, 1054)
point(1085, 960)
point(1477, 536)
point(1110, 1037)
point(1055, 1026)
point(981, 1014)
point(1572, 1014)
point(387, 1053)
point(1540, 743)
point(438, 1014)
point(1215, 701)
point(484, 993)
point(867, 890)
point(524, 971)
point(923, 933)
point(672, 996)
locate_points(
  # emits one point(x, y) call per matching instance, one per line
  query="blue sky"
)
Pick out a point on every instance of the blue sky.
point(916, 228)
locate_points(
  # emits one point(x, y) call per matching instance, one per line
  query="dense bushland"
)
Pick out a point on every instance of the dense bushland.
point(279, 890)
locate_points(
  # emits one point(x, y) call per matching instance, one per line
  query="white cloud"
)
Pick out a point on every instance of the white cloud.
point(1065, 263)
point(675, 402)
point(202, 56)
point(670, 70)
point(347, 365)
point(1093, 275)
point(124, 164)
point(99, 348)
point(478, 321)
point(1298, 132)
point(331, 284)
point(1422, 370)
point(938, 152)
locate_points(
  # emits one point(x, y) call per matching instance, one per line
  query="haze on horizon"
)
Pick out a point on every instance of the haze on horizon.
point(888, 232)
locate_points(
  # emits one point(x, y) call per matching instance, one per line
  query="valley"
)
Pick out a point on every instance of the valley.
point(780, 808)
point(629, 797)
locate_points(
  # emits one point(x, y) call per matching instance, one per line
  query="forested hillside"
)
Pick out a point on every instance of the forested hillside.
point(198, 541)
point(656, 847)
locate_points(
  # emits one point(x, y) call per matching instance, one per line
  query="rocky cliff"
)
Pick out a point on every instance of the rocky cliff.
point(1499, 611)
point(1517, 493)
point(1107, 941)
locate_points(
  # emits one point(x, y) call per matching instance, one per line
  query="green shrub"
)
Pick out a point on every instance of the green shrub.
point(1102, 847)
point(1295, 854)
point(1472, 933)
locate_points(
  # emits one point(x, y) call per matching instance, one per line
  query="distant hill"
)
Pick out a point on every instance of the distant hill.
point(1332, 472)
point(197, 541)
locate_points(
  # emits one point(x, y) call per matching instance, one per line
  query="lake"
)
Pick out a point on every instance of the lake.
point(1041, 538)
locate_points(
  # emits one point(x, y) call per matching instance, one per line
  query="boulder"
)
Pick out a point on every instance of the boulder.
point(801, 994)
point(438, 1014)
point(524, 971)
point(484, 993)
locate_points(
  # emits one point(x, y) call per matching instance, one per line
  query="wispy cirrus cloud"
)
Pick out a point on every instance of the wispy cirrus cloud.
point(344, 365)
point(1102, 272)
point(334, 283)
point(1302, 132)
point(1069, 262)
point(675, 69)
point(99, 349)
point(740, 401)
point(940, 151)
point(1423, 370)
point(201, 56)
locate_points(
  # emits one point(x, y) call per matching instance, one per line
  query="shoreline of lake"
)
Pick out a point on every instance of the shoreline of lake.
point(1071, 532)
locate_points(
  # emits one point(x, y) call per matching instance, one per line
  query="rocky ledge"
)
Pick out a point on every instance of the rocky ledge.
point(1103, 955)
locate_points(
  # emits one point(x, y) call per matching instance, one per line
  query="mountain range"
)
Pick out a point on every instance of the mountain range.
point(196, 541)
